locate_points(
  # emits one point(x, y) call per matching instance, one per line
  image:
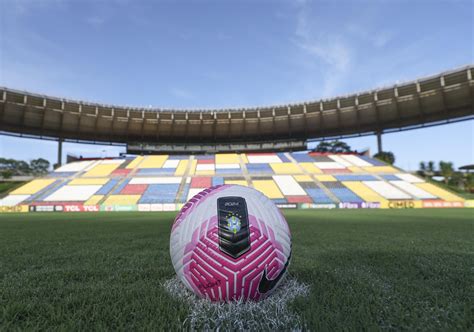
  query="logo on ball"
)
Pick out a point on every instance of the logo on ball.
point(233, 224)
point(230, 243)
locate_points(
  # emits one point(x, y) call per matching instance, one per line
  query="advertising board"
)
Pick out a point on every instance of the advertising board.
point(441, 204)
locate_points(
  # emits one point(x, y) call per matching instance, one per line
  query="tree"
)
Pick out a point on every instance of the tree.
point(456, 180)
point(446, 169)
point(6, 173)
point(340, 147)
point(22, 167)
point(469, 182)
point(16, 167)
point(422, 170)
point(323, 147)
point(333, 147)
point(431, 167)
point(386, 156)
point(39, 166)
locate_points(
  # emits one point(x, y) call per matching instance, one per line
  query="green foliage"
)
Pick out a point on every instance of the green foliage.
point(446, 169)
point(10, 185)
point(469, 182)
point(12, 167)
point(394, 270)
point(333, 147)
point(6, 173)
point(431, 167)
point(386, 156)
point(39, 166)
point(422, 166)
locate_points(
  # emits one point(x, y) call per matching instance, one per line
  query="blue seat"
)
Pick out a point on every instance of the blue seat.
point(318, 195)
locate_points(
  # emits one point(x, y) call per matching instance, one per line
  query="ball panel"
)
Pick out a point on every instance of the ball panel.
point(209, 272)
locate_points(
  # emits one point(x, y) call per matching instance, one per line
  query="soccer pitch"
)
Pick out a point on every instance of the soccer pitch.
point(366, 269)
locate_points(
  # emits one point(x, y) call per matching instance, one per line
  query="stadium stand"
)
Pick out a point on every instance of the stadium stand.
point(166, 182)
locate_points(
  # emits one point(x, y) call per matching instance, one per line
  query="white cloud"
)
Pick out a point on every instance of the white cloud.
point(379, 39)
point(325, 52)
point(95, 20)
point(181, 93)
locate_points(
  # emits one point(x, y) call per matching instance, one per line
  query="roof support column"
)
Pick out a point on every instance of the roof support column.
point(2, 109)
point(128, 124)
point(142, 129)
point(379, 141)
point(443, 98)
point(376, 108)
point(338, 112)
point(112, 130)
point(305, 115)
point(157, 133)
point(258, 124)
point(471, 90)
point(186, 129)
point(25, 101)
point(356, 103)
point(289, 121)
point(43, 116)
point(60, 152)
point(173, 123)
point(273, 123)
point(229, 126)
point(214, 125)
point(321, 119)
point(420, 105)
point(244, 125)
point(96, 122)
point(201, 124)
point(395, 99)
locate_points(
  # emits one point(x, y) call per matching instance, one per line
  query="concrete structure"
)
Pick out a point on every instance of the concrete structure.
point(439, 99)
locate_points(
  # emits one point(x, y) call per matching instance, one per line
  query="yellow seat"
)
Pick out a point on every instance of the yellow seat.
point(303, 178)
point(135, 162)
point(32, 187)
point(93, 200)
point(364, 192)
point(101, 170)
point(311, 168)
point(268, 187)
point(153, 161)
point(192, 167)
point(355, 169)
point(325, 178)
point(285, 168)
point(181, 169)
point(239, 182)
point(81, 181)
point(439, 192)
point(380, 169)
point(122, 199)
point(227, 158)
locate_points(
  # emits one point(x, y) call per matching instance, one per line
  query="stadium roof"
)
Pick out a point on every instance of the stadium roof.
point(438, 99)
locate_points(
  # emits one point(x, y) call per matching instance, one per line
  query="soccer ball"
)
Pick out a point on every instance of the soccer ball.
point(230, 243)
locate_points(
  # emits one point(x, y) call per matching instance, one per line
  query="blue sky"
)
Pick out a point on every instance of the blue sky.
point(234, 53)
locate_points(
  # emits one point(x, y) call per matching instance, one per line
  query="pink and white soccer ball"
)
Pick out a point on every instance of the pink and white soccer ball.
point(230, 243)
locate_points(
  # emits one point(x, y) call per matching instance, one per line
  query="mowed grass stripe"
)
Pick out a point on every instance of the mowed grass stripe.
point(389, 269)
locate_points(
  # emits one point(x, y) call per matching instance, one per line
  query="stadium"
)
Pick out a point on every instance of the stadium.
point(87, 244)
point(164, 176)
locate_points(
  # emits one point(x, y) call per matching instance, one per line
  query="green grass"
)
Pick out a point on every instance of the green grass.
point(367, 269)
point(454, 189)
point(5, 187)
